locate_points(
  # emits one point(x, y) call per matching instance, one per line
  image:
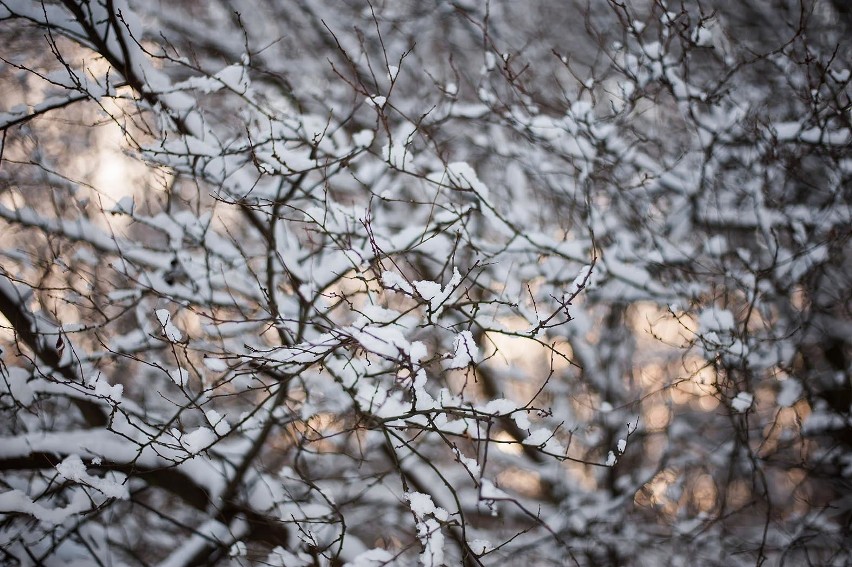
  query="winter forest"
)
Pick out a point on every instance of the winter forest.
point(444, 283)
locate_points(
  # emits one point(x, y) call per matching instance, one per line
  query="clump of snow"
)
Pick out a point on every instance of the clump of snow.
point(238, 549)
point(125, 206)
point(430, 291)
point(377, 314)
point(716, 326)
point(841, 75)
point(215, 364)
point(17, 501)
point(522, 420)
point(266, 493)
point(432, 540)
point(376, 101)
point(363, 138)
point(418, 351)
point(715, 319)
point(716, 246)
point(471, 465)
point(198, 440)
point(387, 342)
point(392, 280)
point(489, 494)
point(791, 391)
point(538, 437)
point(114, 393)
point(463, 176)
point(465, 352)
point(372, 558)
point(702, 36)
point(170, 331)
point(742, 402)
point(220, 425)
point(398, 155)
point(480, 546)
point(610, 459)
point(235, 77)
point(17, 384)
point(584, 278)
point(500, 406)
point(73, 468)
point(427, 290)
point(421, 504)
point(490, 62)
point(428, 518)
point(180, 377)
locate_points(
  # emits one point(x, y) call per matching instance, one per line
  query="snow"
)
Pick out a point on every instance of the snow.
point(363, 138)
point(235, 77)
point(471, 465)
point(198, 439)
point(73, 468)
point(266, 493)
point(489, 491)
point(791, 391)
point(180, 376)
point(13, 501)
point(742, 402)
point(372, 558)
point(429, 291)
point(538, 437)
point(215, 364)
point(436, 296)
point(17, 384)
point(463, 176)
point(716, 319)
point(238, 549)
point(716, 246)
point(387, 342)
point(403, 363)
point(521, 419)
point(490, 61)
point(125, 205)
point(584, 278)
point(480, 546)
point(421, 504)
point(377, 101)
point(428, 528)
point(432, 540)
point(171, 332)
point(465, 352)
point(220, 425)
point(702, 36)
point(211, 530)
point(841, 75)
point(398, 155)
point(500, 406)
point(114, 393)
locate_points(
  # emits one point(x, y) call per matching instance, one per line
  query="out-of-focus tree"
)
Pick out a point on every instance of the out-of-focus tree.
point(323, 283)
